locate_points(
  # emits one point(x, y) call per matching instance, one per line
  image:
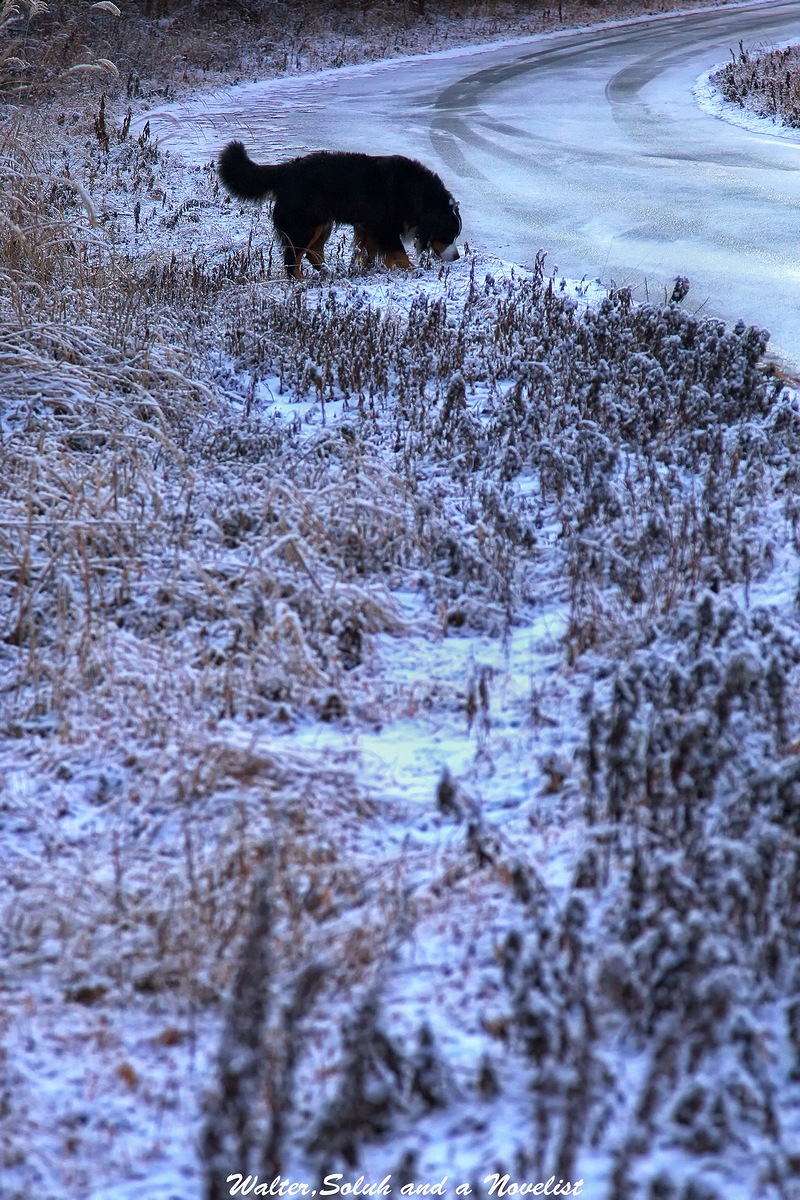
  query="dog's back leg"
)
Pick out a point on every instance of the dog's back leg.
point(299, 240)
point(315, 251)
point(294, 238)
point(292, 256)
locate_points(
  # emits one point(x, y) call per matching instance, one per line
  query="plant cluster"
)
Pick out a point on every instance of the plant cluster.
point(692, 793)
point(644, 435)
point(160, 48)
point(651, 1013)
point(214, 485)
point(765, 83)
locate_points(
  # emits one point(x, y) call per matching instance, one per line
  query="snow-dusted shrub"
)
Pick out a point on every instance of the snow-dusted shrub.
point(572, 1089)
point(617, 402)
point(700, 713)
point(765, 83)
point(376, 1081)
point(693, 783)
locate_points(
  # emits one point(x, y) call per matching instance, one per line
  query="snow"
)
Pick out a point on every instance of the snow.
point(152, 782)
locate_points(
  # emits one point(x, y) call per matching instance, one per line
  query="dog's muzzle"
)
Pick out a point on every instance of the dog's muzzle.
point(445, 252)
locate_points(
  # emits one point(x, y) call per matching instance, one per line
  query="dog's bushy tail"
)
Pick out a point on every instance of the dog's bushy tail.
point(243, 177)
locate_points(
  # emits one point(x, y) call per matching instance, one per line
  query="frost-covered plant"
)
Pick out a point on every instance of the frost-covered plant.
point(637, 423)
point(680, 935)
point(42, 43)
point(693, 784)
point(701, 713)
point(766, 83)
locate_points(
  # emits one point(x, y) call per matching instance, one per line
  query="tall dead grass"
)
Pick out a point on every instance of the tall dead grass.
point(47, 44)
point(766, 83)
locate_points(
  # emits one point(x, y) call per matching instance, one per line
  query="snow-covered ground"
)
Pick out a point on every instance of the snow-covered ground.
point(400, 724)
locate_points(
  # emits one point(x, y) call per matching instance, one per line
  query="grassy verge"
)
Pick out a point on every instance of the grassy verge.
point(166, 49)
point(767, 84)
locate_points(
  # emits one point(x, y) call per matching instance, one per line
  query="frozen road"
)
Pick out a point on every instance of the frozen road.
point(589, 145)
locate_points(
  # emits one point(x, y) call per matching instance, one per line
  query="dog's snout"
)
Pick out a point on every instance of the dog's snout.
point(448, 253)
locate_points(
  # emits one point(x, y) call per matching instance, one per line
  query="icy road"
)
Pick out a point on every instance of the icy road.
point(589, 145)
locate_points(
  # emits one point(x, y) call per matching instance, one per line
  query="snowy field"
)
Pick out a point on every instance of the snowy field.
point(400, 717)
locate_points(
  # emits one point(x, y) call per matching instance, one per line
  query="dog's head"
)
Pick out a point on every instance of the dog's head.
point(439, 229)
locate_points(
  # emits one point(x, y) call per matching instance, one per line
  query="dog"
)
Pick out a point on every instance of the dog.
point(384, 198)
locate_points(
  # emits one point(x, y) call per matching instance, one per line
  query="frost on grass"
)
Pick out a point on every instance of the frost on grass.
point(641, 432)
point(160, 50)
point(216, 487)
point(766, 83)
point(693, 793)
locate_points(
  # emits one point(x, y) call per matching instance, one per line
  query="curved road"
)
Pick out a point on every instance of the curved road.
point(589, 145)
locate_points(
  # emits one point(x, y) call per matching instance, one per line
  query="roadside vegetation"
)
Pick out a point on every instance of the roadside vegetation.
point(166, 48)
point(766, 83)
point(228, 943)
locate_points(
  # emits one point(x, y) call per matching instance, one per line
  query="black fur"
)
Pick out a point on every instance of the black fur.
point(384, 198)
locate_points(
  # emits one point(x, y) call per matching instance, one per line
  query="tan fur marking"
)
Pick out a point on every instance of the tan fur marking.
point(366, 248)
point(397, 258)
point(439, 248)
point(315, 252)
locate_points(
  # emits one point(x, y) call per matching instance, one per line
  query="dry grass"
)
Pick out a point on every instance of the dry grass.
point(183, 577)
point(165, 49)
point(766, 83)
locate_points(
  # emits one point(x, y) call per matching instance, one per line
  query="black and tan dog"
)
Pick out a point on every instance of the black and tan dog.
point(384, 198)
